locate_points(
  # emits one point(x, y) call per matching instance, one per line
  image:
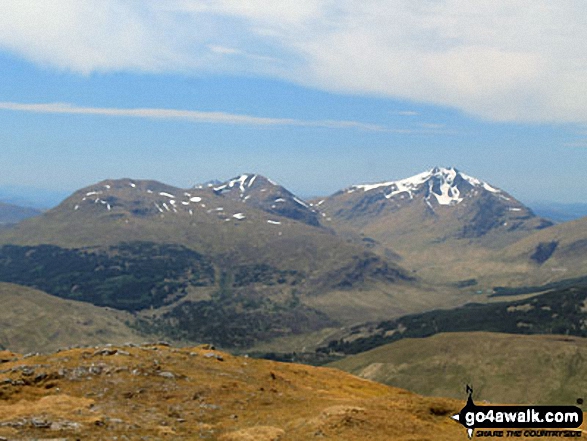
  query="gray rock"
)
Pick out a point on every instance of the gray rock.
point(96, 370)
point(105, 351)
point(40, 377)
point(40, 423)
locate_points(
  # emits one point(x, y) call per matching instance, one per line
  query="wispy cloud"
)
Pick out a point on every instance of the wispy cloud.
point(192, 115)
point(432, 126)
point(576, 144)
point(500, 60)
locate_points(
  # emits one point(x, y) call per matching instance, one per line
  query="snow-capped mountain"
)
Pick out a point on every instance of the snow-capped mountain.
point(145, 244)
point(446, 199)
point(442, 223)
point(263, 193)
point(438, 186)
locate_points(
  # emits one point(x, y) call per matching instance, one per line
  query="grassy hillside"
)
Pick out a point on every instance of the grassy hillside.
point(203, 262)
point(502, 368)
point(557, 252)
point(130, 276)
point(32, 321)
point(159, 392)
point(557, 312)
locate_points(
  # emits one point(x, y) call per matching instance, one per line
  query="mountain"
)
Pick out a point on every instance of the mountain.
point(32, 321)
point(559, 212)
point(444, 224)
point(12, 214)
point(546, 370)
point(261, 192)
point(204, 264)
point(554, 253)
point(246, 261)
point(155, 391)
point(433, 200)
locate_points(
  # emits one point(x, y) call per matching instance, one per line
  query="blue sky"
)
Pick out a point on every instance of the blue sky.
point(317, 95)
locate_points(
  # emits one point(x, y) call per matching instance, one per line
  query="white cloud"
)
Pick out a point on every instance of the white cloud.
point(191, 115)
point(84, 35)
point(502, 60)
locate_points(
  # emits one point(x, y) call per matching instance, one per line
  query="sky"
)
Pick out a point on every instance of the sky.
point(315, 94)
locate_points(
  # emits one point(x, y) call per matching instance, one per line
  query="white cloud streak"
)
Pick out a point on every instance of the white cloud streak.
point(501, 60)
point(191, 115)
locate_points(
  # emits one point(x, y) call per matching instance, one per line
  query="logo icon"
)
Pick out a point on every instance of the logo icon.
point(517, 417)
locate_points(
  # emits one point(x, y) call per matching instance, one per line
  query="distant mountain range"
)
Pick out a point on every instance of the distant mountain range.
point(560, 212)
point(233, 264)
point(38, 198)
point(449, 227)
point(246, 261)
point(12, 214)
point(450, 204)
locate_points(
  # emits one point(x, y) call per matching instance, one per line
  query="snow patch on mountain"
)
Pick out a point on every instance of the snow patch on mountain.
point(241, 182)
point(443, 184)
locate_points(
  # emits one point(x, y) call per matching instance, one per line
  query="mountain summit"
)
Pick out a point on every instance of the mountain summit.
point(473, 207)
point(261, 192)
point(439, 186)
point(442, 219)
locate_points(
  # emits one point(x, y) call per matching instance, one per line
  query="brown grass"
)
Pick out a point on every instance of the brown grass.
point(204, 394)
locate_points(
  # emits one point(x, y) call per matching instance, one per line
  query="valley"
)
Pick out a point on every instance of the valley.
point(291, 221)
point(245, 262)
point(501, 368)
point(425, 284)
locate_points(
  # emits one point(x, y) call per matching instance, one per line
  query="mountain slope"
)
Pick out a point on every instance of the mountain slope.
point(261, 192)
point(559, 311)
point(32, 320)
point(502, 368)
point(440, 198)
point(12, 214)
point(559, 251)
point(112, 212)
point(446, 225)
point(205, 260)
point(160, 392)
